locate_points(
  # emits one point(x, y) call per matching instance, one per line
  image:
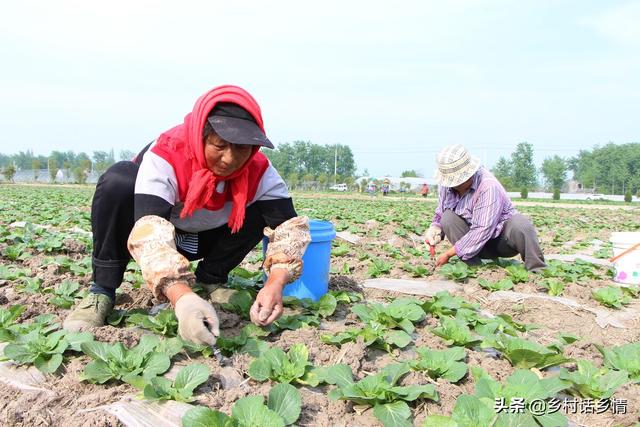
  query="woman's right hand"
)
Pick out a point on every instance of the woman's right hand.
point(197, 319)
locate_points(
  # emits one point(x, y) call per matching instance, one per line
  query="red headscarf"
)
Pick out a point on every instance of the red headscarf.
point(183, 147)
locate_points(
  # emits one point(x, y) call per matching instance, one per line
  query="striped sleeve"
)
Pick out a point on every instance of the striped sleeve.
point(486, 212)
point(443, 192)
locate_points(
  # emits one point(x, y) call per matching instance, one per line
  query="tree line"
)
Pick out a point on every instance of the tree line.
point(610, 169)
point(305, 165)
point(301, 163)
point(76, 164)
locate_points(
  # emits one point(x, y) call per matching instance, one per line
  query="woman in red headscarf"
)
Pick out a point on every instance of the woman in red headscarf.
point(202, 190)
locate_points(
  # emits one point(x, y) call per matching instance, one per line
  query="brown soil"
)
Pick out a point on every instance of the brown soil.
point(67, 396)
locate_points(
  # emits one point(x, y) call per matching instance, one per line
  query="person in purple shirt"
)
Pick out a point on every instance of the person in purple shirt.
point(476, 215)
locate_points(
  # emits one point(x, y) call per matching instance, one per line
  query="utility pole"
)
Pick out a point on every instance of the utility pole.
point(335, 166)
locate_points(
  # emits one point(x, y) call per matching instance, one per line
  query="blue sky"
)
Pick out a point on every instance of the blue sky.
point(395, 82)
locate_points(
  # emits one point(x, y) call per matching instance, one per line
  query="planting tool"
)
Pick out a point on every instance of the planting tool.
point(223, 361)
point(432, 256)
point(432, 250)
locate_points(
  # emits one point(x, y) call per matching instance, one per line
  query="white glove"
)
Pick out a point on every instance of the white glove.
point(192, 313)
point(434, 235)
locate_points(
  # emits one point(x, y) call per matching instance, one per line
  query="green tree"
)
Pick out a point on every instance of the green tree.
point(323, 179)
point(612, 168)
point(350, 181)
point(303, 157)
point(80, 175)
point(293, 180)
point(9, 171)
point(308, 180)
point(554, 170)
point(126, 155)
point(35, 165)
point(22, 160)
point(362, 184)
point(410, 174)
point(53, 169)
point(524, 171)
point(503, 172)
point(102, 160)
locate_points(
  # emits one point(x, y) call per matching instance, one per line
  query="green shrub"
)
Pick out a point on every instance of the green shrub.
point(556, 194)
point(9, 172)
point(80, 175)
point(524, 193)
point(628, 197)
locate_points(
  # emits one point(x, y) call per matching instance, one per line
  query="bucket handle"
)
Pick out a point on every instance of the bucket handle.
point(625, 252)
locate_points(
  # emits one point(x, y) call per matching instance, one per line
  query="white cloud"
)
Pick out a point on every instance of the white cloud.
point(620, 23)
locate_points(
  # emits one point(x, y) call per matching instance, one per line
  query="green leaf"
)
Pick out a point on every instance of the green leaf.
point(76, 339)
point(611, 296)
point(458, 271)
point(413, 392)
point(285, 400)
point(394, 371)
point(471, 411)
point(206, 417)
point(158, 388)
point(171, 346)
point(240, 302)
point(251, 411)
point(553, 419)
point(399, 339)
point(338, 374)
point(456, 332)
point(624, 358)
point(443, 421)
point(97, 371)
point(260, 369)
point(299, 355)
point(327, 305)
point(19, 353)
point(501, 285)
point(48, 366)
point(136, 381)
point(254, 347)
point(156, 364)
point(441, 363)
point(396, 414)
point(517, 273)
point(526, 354)
point(590, 382)
point(147, 344)
point(190, 377)
point(9, 315)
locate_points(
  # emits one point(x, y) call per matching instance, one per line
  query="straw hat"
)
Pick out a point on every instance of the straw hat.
point(455, 165)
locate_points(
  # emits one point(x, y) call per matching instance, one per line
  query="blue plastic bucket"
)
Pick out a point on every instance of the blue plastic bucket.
point(314, 281)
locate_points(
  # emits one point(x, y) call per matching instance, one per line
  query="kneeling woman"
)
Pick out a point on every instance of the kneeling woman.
point(202, 190)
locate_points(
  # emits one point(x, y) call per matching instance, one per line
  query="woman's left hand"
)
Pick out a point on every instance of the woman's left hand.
point(268, 304)
point(444, 258)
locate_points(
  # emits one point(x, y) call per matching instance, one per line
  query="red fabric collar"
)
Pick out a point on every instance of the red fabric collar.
point(182, 146)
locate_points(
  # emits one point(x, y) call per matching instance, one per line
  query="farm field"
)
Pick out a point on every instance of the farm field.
point(567, 339)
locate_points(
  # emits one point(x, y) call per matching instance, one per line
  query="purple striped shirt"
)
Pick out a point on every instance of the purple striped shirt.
point(485, 207)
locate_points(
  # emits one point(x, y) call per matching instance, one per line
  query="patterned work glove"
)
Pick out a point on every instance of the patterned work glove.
point(192, 313)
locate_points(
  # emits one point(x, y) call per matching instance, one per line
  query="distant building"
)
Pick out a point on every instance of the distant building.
point(575, 187)
point(415, 184)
